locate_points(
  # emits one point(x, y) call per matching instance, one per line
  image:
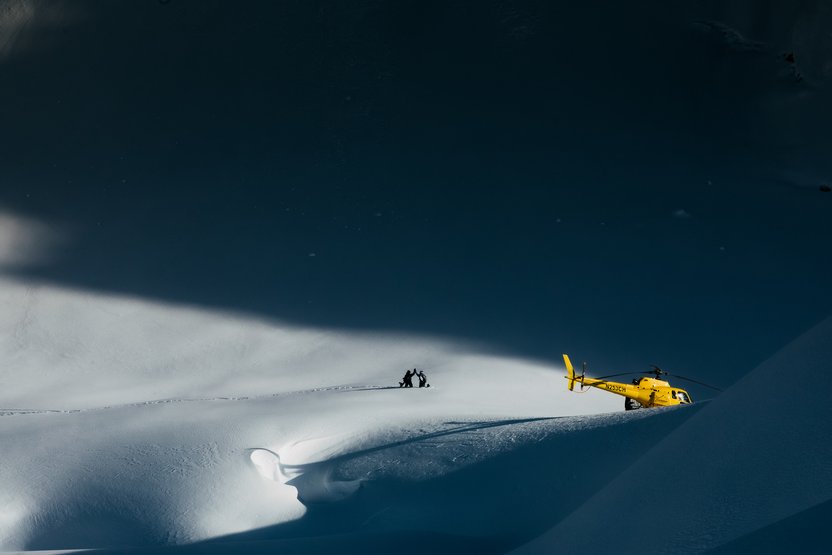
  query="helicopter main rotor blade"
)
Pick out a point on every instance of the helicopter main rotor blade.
point(694, 381)
point(615, 375)
point(658, 371)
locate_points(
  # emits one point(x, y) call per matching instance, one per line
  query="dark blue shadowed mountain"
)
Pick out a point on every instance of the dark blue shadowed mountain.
point(634, 184)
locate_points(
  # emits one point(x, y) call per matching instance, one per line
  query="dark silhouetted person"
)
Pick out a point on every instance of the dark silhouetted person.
point(423, 379)
point(407, 381)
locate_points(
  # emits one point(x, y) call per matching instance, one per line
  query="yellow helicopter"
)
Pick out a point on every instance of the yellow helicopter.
point(641, 393)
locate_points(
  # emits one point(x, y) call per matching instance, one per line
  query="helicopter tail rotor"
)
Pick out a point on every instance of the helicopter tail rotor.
point(583, 374)
point(570, 373)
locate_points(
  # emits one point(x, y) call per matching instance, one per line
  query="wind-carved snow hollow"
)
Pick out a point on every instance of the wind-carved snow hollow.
point(267, 464)
point(308, 484)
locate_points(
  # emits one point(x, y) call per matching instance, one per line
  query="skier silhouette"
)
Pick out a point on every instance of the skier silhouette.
point(423, 379)
point(407, 381)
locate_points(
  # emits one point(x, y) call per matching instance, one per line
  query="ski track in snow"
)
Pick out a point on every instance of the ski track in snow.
point(23, 412)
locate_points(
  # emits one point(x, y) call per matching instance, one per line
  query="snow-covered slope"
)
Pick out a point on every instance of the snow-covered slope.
point(67, 350)
point(132, 423)
point(754, 457)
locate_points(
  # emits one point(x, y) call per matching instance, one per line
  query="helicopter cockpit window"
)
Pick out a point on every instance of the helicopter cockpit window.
point(673, 393)
point(683, 398)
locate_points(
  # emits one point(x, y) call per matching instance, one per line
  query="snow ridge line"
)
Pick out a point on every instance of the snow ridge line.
point(22, 412)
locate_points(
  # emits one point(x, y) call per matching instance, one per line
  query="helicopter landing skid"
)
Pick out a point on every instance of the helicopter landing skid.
point(632, 404)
